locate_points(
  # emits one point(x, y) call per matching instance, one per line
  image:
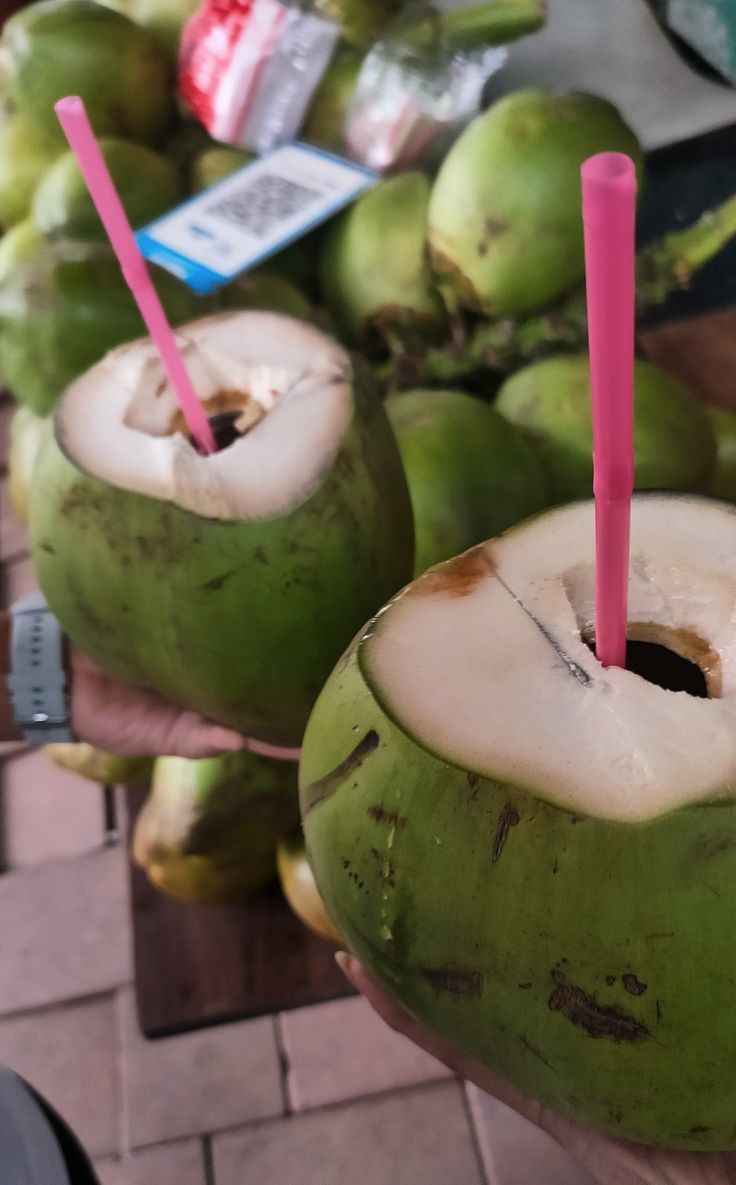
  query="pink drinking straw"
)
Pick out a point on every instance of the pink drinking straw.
point(73, 119)
point(609, 213)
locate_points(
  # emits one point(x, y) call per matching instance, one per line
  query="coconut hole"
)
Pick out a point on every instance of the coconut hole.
point(665, 667)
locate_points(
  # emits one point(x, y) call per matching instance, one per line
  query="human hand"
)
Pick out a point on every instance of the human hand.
point(609, 1161)
point(129, 722)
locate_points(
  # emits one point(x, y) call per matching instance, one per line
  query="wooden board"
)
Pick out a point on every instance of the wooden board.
point(199, 965)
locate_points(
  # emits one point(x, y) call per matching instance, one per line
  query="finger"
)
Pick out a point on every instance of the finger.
point(275, 752)
point(194, 737)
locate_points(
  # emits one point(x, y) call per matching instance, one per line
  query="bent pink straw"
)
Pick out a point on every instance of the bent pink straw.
point(609, 213)
point(73, 119)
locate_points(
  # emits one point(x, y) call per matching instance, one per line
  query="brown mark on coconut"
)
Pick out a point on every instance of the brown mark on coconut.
point(457, 981)
point(391, 818)
point(508, 818)
point(458, 577)
point(326, 786)
point(633, 986)
point(598, 1020)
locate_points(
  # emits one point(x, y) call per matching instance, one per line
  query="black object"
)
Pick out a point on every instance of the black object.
point(36, 1146)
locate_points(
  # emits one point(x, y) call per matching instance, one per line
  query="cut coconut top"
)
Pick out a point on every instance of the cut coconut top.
point(484, 661)
point(288, 386)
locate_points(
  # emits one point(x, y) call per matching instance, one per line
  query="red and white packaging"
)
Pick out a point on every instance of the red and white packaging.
point(248, 69)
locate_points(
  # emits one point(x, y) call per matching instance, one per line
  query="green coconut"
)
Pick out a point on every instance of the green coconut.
point(25, 155)
point(360, 21)
point(76, 47)
point(63, 305)
point(228, 584)
point(28, 435)
point(534, 854)
point(550, 401)
point(187, 141)
point(97, 766)
point(262, 290)
point(299, 887)
point(163, 19)
point(375, 276)
point(215, 164)
point(721, 482)
point(209, 829)
point(471, 474)
point(325, 122)
point(148, 185)
point(505, 232)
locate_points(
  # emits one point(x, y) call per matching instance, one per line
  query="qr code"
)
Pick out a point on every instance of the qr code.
point(261, 204)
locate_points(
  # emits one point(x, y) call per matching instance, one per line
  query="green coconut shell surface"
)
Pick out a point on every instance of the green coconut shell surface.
point(25, 155)
point(63, 305)
point(147, 183)
point(97, 766)
point(28, 435)
point(505, 230)
point(361, 21)
point(587, 959)
point(375, 276)
point(471, 474)
point(209, 829)
point(57, 48)
point(721, 482)
point(325, 122)
point(550, 401)
point(240, 620)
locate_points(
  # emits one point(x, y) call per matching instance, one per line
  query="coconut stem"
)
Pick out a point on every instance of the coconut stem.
point(477, 25)
point(504, 345)
point(672, 262)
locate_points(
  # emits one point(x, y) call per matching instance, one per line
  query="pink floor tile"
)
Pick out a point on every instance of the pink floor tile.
point(65, 930)
point(178, 1163)
point(417, 1137)
point(516, 1152)
point(69, 1055)
point(199, 1082)
point(342, 1050)
point(48, 813)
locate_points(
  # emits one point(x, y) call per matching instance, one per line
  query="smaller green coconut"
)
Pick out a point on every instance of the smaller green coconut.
point(163, 19)
point(215, 164)
point(187, 141)
point(471, 474)
point(25, 155)
point(375, 276)
point(63, 305)
point(262, 290)
point(96, 766)
point(505, 230)
point(148, 185)
point(28, 434)
point(325, 122)
point(722, 480)
point(300, 888)
point(550, 401)
point(208, 831)
point(76, 47)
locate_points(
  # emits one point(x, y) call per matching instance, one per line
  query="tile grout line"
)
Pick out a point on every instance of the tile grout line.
point(284, 1064)
point(475, 1136)
point(123, 1079)
point(208, 1157)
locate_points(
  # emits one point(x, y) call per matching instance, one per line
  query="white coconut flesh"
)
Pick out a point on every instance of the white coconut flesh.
point(288, 385)
point(484, 661)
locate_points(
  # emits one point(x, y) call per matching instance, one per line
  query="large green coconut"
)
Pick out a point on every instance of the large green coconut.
point(148, 185)
point(375, 276)
point(25, 155)
point(721, 481)
point(537, 855)
point(76, 47)
point(163, 19)
point(97, 766)
point(505, 233)
point(471, 474)
point(550, 401)
point(62, 306)
point(209, 829)
point(228, 584)
point(299, 887)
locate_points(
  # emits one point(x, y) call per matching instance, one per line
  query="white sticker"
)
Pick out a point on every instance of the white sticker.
point(253, 214)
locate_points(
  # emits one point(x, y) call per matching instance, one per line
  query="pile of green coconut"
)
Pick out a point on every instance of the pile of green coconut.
point(530, 852)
